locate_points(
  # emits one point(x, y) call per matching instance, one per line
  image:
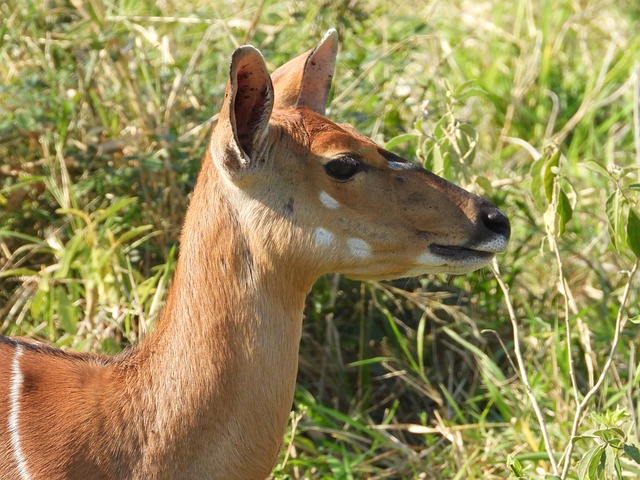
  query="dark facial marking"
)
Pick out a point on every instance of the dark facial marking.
point(288, 208)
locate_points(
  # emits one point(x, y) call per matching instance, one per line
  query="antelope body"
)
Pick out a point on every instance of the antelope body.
point(284, 196)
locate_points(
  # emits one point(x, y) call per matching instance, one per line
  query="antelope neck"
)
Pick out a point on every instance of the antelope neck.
point(231, 312)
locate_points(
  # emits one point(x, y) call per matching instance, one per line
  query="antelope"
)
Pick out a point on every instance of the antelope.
point(284, 196)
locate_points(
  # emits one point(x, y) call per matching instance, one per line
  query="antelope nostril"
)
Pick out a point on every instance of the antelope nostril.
point(496, 221)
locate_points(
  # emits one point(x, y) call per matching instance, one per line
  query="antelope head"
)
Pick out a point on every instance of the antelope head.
point(327, 198)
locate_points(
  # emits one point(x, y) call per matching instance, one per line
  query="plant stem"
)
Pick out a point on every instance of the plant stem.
point(580, 408)
point(521, 367)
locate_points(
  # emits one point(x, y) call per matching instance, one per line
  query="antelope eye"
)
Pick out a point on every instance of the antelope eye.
point(342, 169)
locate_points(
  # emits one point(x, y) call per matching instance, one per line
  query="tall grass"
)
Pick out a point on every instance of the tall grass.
point(526, 370)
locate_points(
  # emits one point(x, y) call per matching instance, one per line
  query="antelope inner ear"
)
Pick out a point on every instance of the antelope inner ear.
point(244, 117)
point(306, 80)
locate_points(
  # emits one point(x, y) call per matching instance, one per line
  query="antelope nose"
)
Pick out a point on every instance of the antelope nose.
point(496, 221)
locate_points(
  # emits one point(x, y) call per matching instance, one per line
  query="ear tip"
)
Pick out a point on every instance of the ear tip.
point(244, 51)
point(331, 35)
point(245, 56)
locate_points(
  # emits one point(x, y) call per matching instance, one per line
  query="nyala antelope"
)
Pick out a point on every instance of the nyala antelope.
point(284, 196)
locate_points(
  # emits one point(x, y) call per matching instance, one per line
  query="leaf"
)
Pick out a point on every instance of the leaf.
point(22, 236)
point(632, 451)
point(515, 466)
point(613, 208)
point(536, 183)
point(564, 212)
point(485, 184)
point(437, 162)
point(66, 312)
point(115, 208)
point(405, 137)
point(618, 469)
point(588, 465)
point(633, 232)
point(370, 361)
point(18, 272)
point(610, 433)
point(38, 303)
point(610, 458)
point(596, 167)
point(471, 92)
point(132, 233)
point(548, 174)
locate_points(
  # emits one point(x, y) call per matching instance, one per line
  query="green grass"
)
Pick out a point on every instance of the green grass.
point(105, 109)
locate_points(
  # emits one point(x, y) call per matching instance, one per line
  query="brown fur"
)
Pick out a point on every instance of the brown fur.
point(208, 393)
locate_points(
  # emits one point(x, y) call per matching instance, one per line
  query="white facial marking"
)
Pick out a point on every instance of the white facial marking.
point(495, 245)
point(323, 237)
point(401, 166)
point(429, 259)
point(14, 414)
point(358, 247)
point(328, 201)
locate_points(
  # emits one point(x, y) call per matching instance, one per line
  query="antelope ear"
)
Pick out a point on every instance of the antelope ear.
point(305, 81)
point(239, 135)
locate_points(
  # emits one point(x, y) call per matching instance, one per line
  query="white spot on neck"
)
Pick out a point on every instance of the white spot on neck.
point(14, 414)
point(323, 237)
point(328, 201)
point(358, 247)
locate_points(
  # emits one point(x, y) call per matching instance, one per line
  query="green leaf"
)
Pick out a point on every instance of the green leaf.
point(536, 183)
point(22, 236)
point(471, 92)
point(613, 208)
point(609, 460)
point(18, 272)
point(405, 137)
point(618, 469)
point(588, 465)
point(515, 466)
point(633, 232)
point(632, 451)
point(369, 361)
point(609, 433)
point(115, 208)
point(596, 167)
point(38, 303)
point(133, 233)
point(564, 211)
point(485, 184)
point(548, 174)
point(66, 312)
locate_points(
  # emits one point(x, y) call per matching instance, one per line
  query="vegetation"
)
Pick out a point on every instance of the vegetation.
point(105, 108)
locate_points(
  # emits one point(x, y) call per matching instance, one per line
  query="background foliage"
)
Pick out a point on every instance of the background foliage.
point(105, 108)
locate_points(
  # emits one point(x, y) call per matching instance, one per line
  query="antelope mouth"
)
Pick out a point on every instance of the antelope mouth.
point(463, 254)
